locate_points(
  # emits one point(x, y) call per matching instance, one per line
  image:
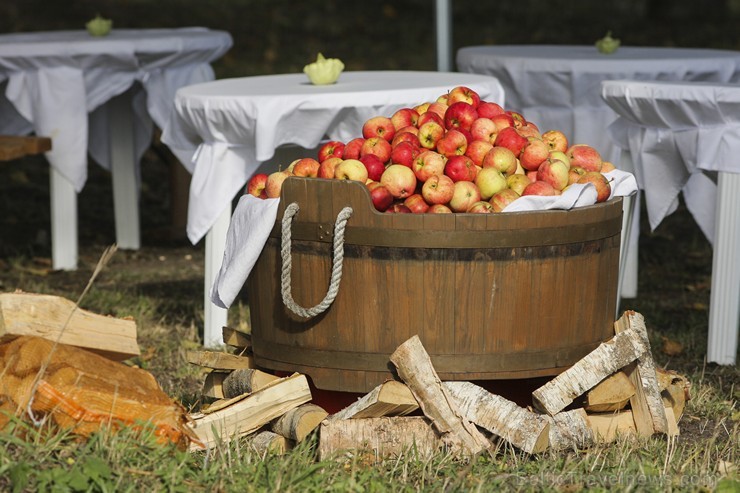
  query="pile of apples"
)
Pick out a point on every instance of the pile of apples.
point(457, 154)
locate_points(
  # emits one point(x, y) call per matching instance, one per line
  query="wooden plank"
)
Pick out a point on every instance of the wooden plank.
point(252, 412)
point(217, 360)
point(299, 422)
point(647, 403)
point(235, 338)
point(607, 427)
point(570, 430)
point(13, 147)
point(611, 394)
point(47, 316)
point(381, 437)
point(391, 398)
point(213, 384)
point(245, 381)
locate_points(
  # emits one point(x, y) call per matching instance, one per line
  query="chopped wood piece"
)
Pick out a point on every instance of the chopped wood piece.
point(390, 398)
point(522, 428)
point(647, 404)
point(675, 390)
point(607, 427)
point(217, 360)
point(236, 338)
point(249, 413)
point(607, 358)
point(213, 384)
point(245, 381)
point(269, 442)
point(383, 437)
point(41, 315)
point(415, 369)
point(611, 394)
point(298, 423)
point(570, 429)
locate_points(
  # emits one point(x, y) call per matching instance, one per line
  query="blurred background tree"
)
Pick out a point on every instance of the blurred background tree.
point(277, 36)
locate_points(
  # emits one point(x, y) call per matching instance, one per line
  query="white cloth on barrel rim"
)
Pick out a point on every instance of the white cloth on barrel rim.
point(254, 218)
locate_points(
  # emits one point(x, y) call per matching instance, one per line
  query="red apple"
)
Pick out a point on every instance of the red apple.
point(460, 115)
point(511, 139)
point(539, 188)
point(554, 172)
point(460, 168)
point(404, 153)
point(453, 143)
point(398, 208)
point(352, 148)
point(327, 167)
point(517, 183)
point(574, 174)
point(307, 166)
point(477, 150)
point(502, 199)
point(377, 146)
point(442, 98)
point(438, 189)
point(463, 94)
point(502, 121)
point(439, 209)
point(404, 117)
point(533, 154)
point(560, 156)
point(429, 116)
point(351, 169)
point(407, 137)
point(400, 180)
point(502, 159)
point(416, 203)
point(427, 164)
point(484, 129)
point(430, 133)
point(555, 140)
point(379, 126)
point(603, 188)
point(256, 185)
point(480, 207)
point(607, 166)
point(584, 156)
point(466, 193)
point(374, 166)
point(421, 108)
point(333, 148)
point(487, 109)
point(489, 182)
point(529, 130)
point(274, 183)
point(438, 108)
point(379, 194)
point(518, 118)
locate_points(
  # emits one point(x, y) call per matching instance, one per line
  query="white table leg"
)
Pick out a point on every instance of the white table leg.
point(214, 317)
point(724, 303)
point(64, 248)
point(123, 171)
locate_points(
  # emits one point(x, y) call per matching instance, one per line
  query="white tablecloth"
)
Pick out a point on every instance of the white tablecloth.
point(559, 87)
point(51, 81)
point(235, 124)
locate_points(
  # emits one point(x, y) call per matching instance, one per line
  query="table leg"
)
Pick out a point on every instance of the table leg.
point(724, 302)
point(214, 317)
point(123, 171)
point(630, 237)
point(64, 247)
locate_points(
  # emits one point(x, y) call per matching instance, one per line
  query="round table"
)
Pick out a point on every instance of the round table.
point(234, 125)
point(559, 86)
point(82, 91)
point(678, 134)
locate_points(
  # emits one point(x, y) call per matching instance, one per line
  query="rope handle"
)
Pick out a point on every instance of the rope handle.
point(336, 270)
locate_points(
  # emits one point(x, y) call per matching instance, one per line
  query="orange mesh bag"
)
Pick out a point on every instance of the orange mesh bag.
point(84, 391)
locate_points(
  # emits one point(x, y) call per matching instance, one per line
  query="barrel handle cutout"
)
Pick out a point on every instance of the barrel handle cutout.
point(336, 269)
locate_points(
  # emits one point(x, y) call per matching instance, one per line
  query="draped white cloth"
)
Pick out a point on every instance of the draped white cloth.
point(236, 124)
point(559, 87)
point(57, 84)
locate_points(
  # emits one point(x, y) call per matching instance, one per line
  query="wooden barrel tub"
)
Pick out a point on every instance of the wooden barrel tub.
point(491, 296)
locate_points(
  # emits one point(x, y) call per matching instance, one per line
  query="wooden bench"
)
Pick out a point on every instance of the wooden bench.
point(13, 147)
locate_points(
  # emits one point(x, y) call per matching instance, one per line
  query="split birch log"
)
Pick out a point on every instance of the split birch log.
point(607, 427)
point(217, 360)
point(647, 403)
point(520, 427)
point(391, 398)
point(236, 338)
point(384, 437)
point(299, 422)
point(213, 384)
point(570, 429)
point(246, 415)
point(607, 358)
point(416, 370)
point(269, 442)
point(675, 391)
point(245, 381)
point(611, 394)
point(46, 316)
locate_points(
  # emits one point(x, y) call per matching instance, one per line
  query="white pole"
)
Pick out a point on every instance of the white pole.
point(444, 35)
